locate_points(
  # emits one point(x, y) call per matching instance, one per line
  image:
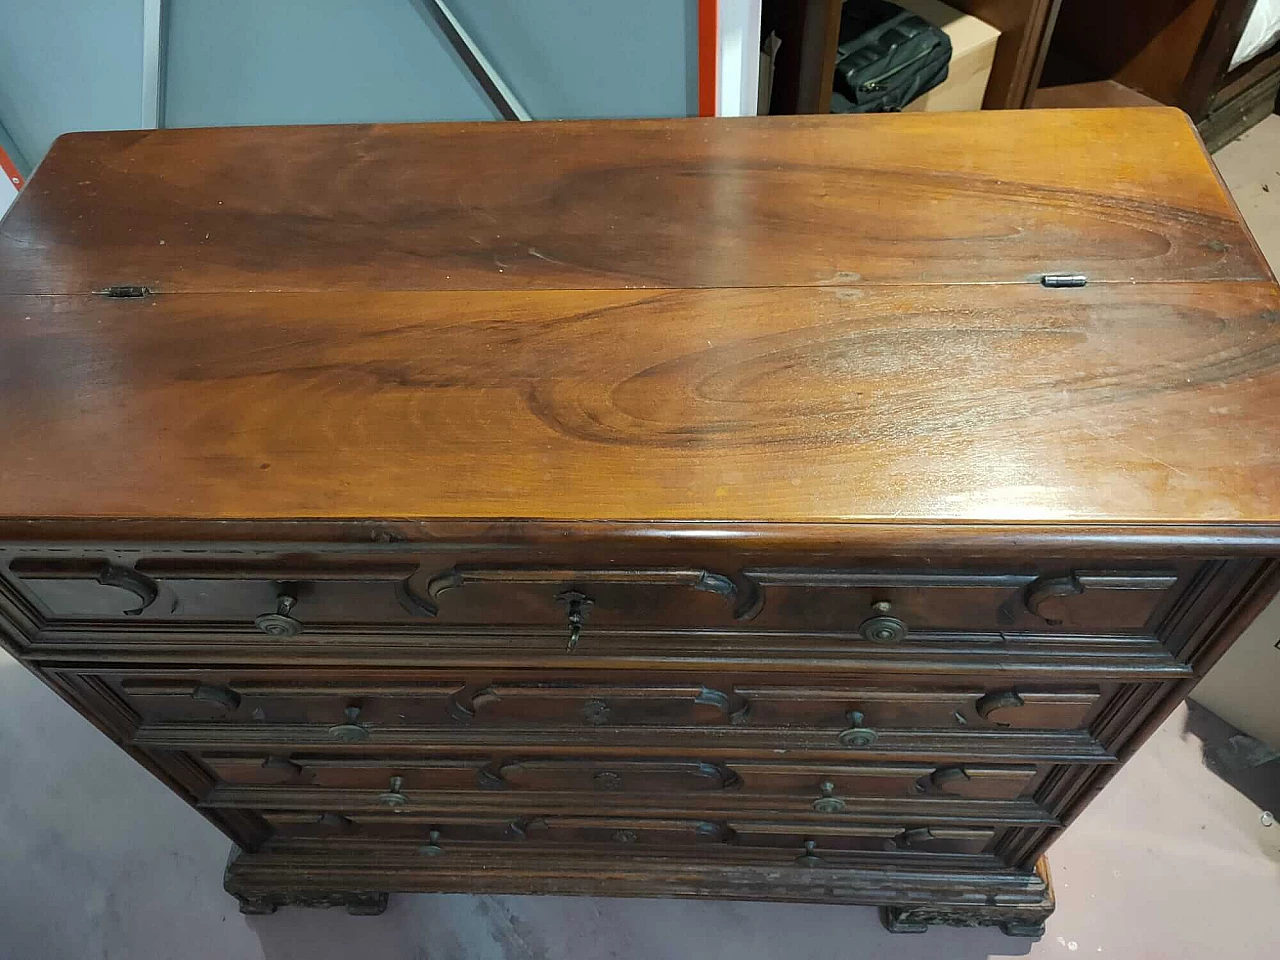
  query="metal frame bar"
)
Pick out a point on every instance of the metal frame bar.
point(155, 57)
point(9, 149)
point(435, 11)
point(708, 56)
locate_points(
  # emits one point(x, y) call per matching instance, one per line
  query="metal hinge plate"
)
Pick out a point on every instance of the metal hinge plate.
point(1063, 280)
point(125, 292)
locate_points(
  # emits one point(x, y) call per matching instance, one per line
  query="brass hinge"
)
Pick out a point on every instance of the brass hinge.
point(1063, 280)
point(125, 292)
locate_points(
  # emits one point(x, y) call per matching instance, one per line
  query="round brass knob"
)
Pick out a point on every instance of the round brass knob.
point(828, 802)
point(393, 798)
point(432, 847)
point(280, 624)
point(810, 856)
point(883, 628)
point(857, 735)
point(352, 731)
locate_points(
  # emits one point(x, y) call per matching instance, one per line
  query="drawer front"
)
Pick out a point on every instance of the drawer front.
point(411, 594)
point(439, 837)
point(824, 788)
point(887, 607)
point(288, 601)
point(557, 703)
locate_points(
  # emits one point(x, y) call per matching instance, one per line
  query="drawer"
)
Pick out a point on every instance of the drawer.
point(439, 836)
point(370, 782)
point(890, 606)
point(415, 594)
point(530, 701)
point(284, 601)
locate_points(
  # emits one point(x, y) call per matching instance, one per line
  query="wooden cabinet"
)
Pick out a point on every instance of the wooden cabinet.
point(647, 508)
point(1176, 52)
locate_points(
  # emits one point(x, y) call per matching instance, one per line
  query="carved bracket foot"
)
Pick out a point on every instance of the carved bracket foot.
point(357, 904)
point(257, 902)
point(919, 919)
point(1025, 919)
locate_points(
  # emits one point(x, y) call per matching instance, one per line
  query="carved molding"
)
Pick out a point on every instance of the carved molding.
point(1044, 594)
point(420, 593)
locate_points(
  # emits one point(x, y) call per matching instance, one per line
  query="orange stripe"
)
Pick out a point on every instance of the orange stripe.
point(10, 170)
point(708, 43)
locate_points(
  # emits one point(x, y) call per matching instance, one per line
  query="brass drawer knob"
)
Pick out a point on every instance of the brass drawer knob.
point(432, 847)
point(882, 628)
point(810, 856)
point(828, 802)
point(857, 735)
point(280, 624)
point(393, 797)
point(351, 731)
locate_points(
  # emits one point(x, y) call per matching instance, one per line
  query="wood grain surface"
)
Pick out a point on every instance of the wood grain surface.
point(625, 387)
point(994, 196)
point(999, 402)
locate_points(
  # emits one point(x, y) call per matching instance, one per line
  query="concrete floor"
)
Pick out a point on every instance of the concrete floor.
point(1251, 167)
point(99, 860)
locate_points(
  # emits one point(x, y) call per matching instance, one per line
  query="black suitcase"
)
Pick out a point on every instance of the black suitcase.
point(886, 58)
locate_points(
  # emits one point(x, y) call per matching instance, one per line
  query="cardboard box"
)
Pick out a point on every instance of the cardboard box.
point(973, 48)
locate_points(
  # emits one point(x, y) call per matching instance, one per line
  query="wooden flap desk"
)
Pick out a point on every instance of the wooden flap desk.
point(806, 508)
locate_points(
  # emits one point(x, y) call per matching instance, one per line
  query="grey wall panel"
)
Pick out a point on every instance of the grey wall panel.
point(591, 58)
point(68, 65)
point(311, 61)
point(77, 64)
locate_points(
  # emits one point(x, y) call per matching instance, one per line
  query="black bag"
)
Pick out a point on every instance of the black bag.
point(886, 57)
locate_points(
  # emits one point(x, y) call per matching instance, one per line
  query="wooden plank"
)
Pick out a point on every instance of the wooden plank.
point(1005, 403)
point(994, 196)
point(1025, 27)
point(1095, 93)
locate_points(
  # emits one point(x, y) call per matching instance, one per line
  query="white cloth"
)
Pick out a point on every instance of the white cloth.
point(1260, 31)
